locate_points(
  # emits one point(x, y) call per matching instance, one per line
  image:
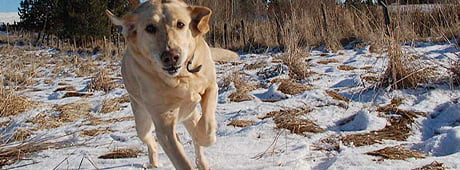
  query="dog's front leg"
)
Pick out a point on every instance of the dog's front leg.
point(207, 126)
point(165, 125)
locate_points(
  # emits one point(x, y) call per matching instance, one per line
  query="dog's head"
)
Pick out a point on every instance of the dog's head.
point(165, 32)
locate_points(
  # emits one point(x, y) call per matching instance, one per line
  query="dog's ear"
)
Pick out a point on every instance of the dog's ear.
point(127, 22)
point(200, 19)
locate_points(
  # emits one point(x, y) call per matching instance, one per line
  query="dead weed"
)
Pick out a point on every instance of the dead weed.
point(397, 153)
point(288, 119)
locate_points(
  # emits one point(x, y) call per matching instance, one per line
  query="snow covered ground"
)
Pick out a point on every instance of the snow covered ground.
point(9, 17)
point(260, 145)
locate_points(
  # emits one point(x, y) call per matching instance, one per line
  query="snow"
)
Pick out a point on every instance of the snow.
point(261, 145)
point(9, 17)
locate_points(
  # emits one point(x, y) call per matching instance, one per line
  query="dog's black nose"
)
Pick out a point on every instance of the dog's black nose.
point(170, 58)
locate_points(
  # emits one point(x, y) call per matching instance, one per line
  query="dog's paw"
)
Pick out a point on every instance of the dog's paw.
point(150, 166)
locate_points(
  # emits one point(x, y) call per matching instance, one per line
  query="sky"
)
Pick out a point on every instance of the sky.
point(12, 5)
point(9, 5)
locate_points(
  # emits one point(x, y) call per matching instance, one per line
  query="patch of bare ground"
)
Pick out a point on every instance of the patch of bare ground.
point(397, 153)
point(101, 82)
point(346, 67)
point(13, 104)
point(435, 165)
point(289, 119)
point(95, 132)
point(292, 87)
point(399, 128)
point(327, 61)
point(242, 88)
point(240, 123)
point(121, 153)
point(337, 96)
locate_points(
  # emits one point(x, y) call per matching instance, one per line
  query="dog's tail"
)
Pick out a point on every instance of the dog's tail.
point(220, 54)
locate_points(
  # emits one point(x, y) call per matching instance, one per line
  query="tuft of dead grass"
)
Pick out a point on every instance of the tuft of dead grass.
point(435, 165)
point(76, 94)
point(73, 111)
point(256, 65)
point(327, 61)
point(67, 88)
point(291, 87)
point(68, 113)
point(298, 69)
point(346, 67)
point(21, 135)
point(96, 121)
point(13, 104)
point(121, 153)
point(337, 96)
point(95, 132)
point(398, 129)
point(240, 123)
point(242, 88)
point(12, 154)
point(101, 82)
point(397, 153)
point(110, 105)
point(404, 70)
point(288, 119)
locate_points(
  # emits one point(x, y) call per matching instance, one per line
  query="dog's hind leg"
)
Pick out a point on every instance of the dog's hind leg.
point(144, 128)
point(190, 125)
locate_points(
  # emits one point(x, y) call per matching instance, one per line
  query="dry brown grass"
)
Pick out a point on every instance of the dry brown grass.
point(110, 105)
point(76, 94)
point(397, 153)
point(337, 96)
point(298, 69)
point(398, 129)
point(240, 123)
point(12, 104)
point(404, 70)
point(291, 87)
point(73, 111)
point(120, 153)
point(435, 165)
point(242, 88)
point(95, 132)
point(255, 65)
point(346, 67)
point(102, 82)
point(96, 121)
point(288, 119)
point(21, 135)
point(10, 155)
point(327, 61)
point(68, 113)
point(67, 88)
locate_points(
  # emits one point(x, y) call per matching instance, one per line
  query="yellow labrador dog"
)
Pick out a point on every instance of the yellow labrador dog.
point(168, 69)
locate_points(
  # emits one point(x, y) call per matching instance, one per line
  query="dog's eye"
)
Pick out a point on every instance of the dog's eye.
point(180, 25)
point(150, 29)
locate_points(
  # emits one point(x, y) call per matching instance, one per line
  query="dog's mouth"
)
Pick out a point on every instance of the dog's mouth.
point(172, 69)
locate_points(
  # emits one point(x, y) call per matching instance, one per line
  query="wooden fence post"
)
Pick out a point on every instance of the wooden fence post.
point(323, 10)
point(386, 15)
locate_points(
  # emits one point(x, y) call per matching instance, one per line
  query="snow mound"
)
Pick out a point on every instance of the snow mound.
point(444, 144)
point(272, 93)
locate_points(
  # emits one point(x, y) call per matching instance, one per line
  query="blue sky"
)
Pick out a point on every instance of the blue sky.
point(9, 5)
